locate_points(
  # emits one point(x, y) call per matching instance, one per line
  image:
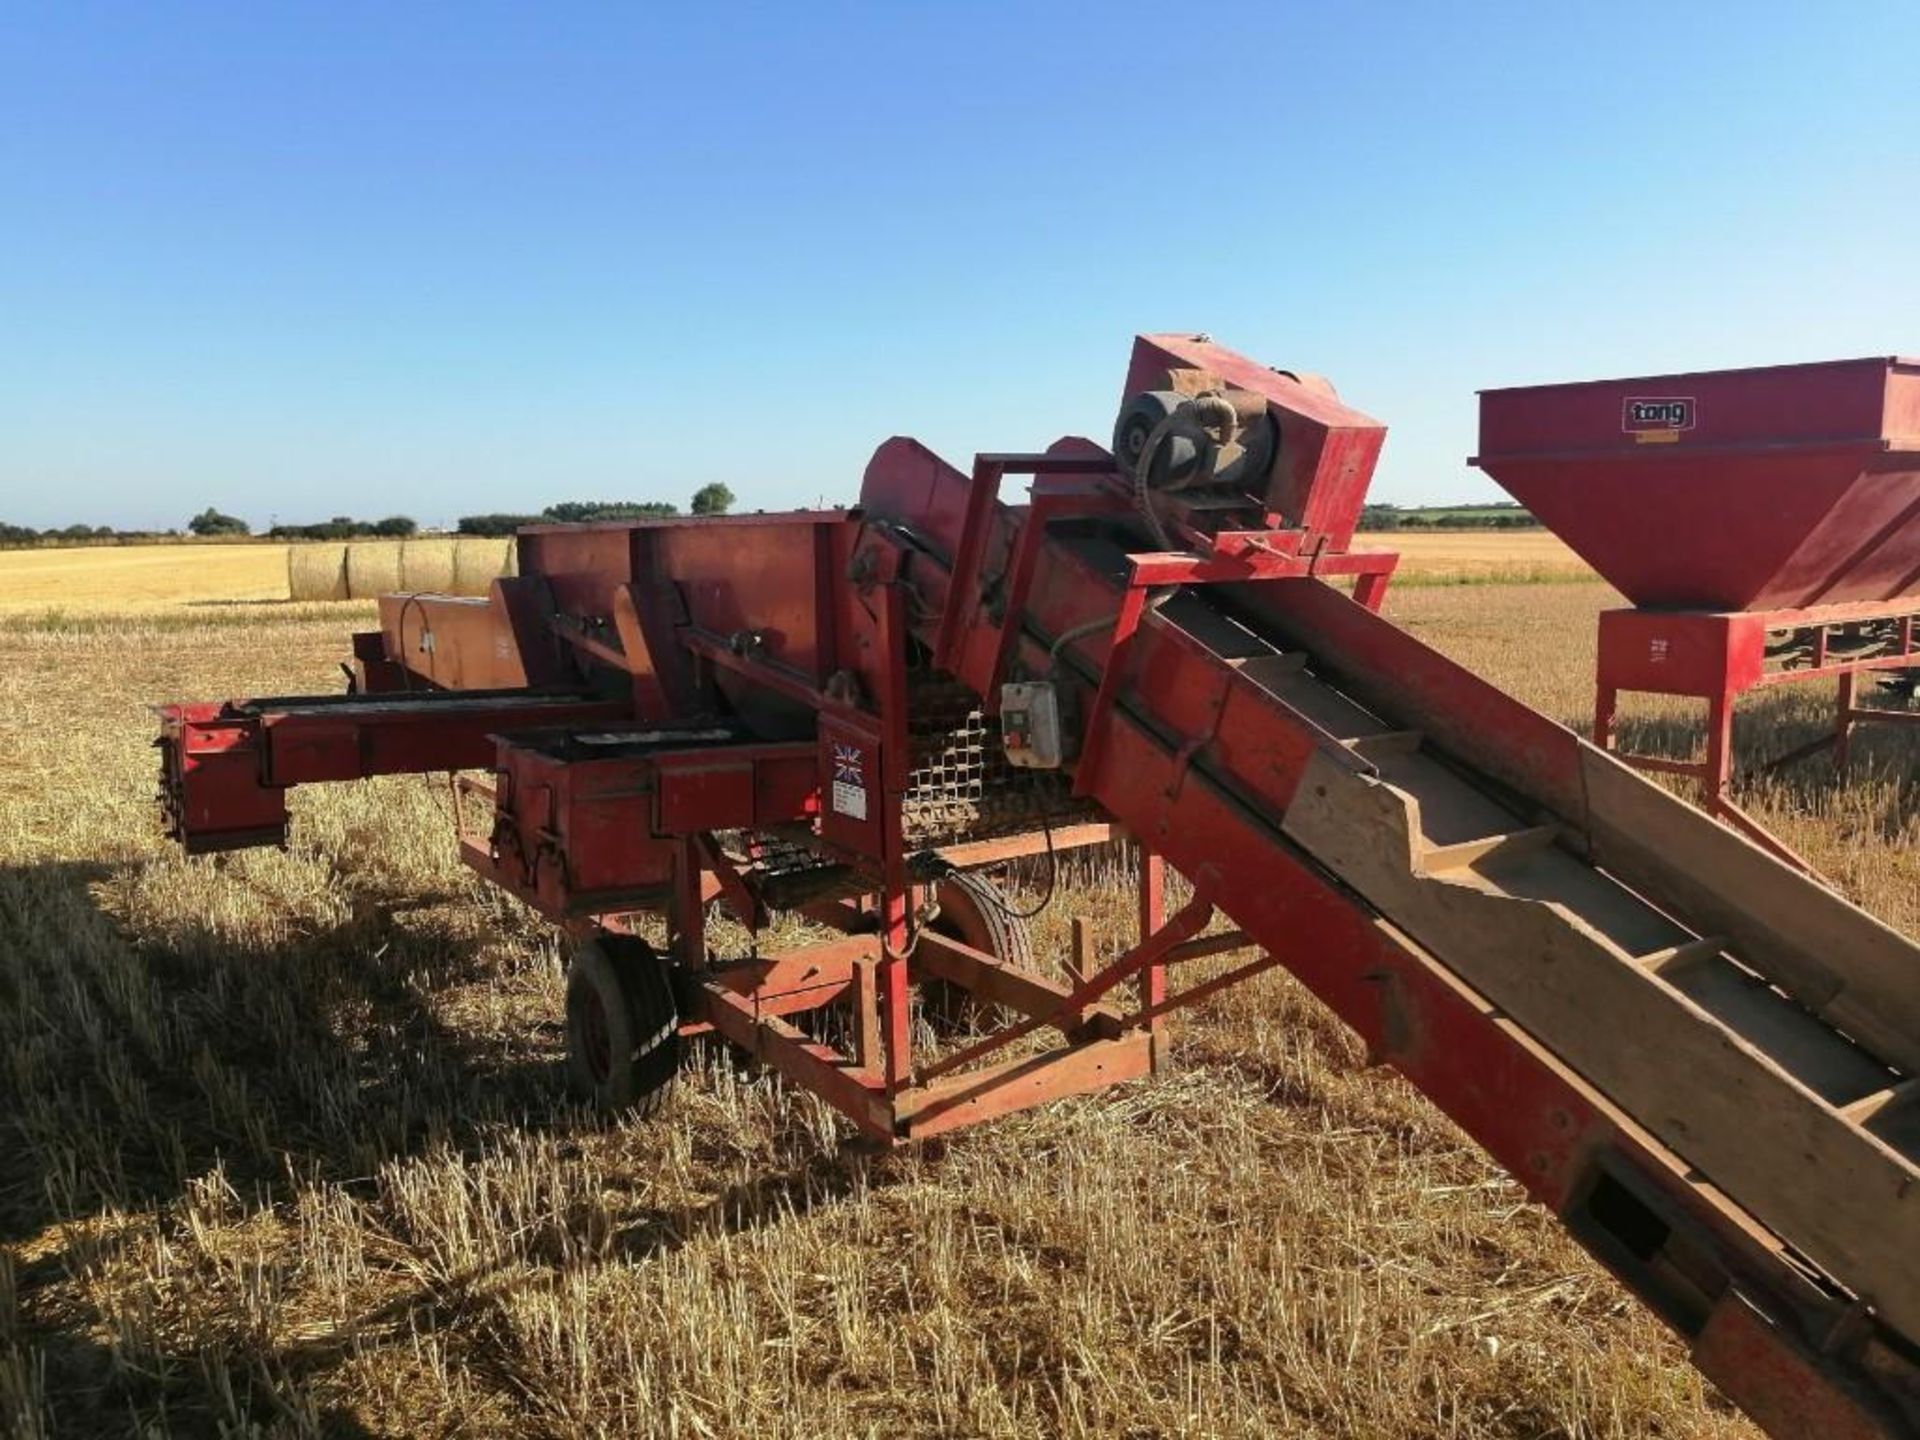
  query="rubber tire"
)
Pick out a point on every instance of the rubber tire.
point(623, 1028)
point(971, 912)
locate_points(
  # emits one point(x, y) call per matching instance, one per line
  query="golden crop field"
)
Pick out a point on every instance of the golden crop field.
point(130, 579)
point(285, 1149)
point(140, 577)
point(1474, 557)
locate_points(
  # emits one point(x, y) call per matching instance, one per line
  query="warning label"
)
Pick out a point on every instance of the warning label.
point(849, 781)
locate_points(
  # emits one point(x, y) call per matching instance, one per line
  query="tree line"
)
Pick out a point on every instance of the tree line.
point(17, 535)
point(713, 499)
point(1498, 516)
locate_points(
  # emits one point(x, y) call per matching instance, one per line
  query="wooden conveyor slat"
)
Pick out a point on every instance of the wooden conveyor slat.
point(1740, 1062)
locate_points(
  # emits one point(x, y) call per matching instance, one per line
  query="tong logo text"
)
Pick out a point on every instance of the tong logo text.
point(1664, 413)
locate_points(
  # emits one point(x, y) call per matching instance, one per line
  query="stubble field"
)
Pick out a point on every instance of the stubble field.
point(283, 1148)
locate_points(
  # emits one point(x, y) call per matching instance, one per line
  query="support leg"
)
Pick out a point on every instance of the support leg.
point(687, 915)
point(1153, 979)
point(896, 1030)
point(1606, 708)
point(868, 1051)
point(1717, 775)
point(1845, 711)
point(1080, 964)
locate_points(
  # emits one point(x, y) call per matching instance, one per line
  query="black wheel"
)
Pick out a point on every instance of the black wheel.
point(623, 1029)
point(972, 911)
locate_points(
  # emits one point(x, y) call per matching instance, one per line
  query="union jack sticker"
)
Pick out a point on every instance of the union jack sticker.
point(849, 788)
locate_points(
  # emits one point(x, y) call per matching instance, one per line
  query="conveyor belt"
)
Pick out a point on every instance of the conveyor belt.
point(1745, 1015)
point(1786, 1078)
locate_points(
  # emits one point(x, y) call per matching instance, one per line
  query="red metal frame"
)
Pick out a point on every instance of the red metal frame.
point(1719, 656)
point(1072, 483)
point(1327, 449)
point(226, 767)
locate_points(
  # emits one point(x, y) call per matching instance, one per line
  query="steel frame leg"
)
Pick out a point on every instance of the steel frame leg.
point(896, 1030)
point(1717, 774)
point(1716, 779)
point(1846, 712)
point(1713, 775)
point(687, 910)
point(1153, 979)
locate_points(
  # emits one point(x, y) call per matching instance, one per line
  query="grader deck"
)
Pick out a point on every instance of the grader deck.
point(1697, 1057)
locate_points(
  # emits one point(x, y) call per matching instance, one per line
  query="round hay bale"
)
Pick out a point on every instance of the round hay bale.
point(317, 572)
point(373, 569)
point(478, 561)
point(427, 565)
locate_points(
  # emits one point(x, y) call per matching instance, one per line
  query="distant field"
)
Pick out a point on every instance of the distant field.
point(147, 577)
point(140, 577)
point(1472, 557)
point(124, 579)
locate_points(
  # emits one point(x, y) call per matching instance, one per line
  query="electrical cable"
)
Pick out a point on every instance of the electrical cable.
point(426, 641)
point(1175, 423)
point(1053, 876)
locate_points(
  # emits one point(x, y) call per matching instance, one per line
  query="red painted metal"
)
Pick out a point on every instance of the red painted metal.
point(1736, 509)
point(1718, 657)
point(447, 642)
point(226, 766)
point(1067, 1011)
point(1154, 701)
point(763, 680)
point(1328, 450)
point(1777, 488)
point(593, 824)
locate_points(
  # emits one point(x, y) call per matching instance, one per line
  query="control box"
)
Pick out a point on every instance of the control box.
point(1030, 724)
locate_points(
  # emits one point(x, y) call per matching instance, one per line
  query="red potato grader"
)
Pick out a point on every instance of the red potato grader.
point(1700, 1059)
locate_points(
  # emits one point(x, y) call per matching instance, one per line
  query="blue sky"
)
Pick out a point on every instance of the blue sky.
point(302, 260)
